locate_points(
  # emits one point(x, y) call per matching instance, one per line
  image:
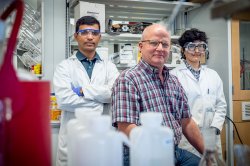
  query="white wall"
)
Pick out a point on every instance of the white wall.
point(54, 34)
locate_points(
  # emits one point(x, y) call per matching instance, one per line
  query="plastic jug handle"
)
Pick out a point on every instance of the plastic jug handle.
point(124, 139)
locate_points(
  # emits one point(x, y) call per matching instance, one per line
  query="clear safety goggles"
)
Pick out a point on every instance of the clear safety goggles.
point(85, 32)
point(202, 47)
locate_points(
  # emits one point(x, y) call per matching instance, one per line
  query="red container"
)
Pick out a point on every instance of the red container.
point(28, 133)
point(25, 134)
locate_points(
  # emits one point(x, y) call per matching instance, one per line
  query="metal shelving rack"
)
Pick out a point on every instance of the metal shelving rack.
point(29, 46)
point(138, 10)
point(132, 11)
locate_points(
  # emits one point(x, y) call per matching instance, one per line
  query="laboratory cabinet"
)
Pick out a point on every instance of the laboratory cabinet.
point(28, 53)
point(41, 41)
point(241, 68)
point(240, 26)
point(241, 59)
point(122, 23)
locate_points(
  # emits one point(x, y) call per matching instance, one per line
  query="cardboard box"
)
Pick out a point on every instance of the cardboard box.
point(91, 9)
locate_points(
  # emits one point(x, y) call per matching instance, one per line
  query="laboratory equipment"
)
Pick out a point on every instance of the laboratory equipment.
point(210, 156)
point(74, 128)
point(29, 41)
point(151, 144)
point(24, 116)
point(242, 154)
point(100, 145)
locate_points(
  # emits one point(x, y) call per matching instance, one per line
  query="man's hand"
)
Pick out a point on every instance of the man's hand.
point(126, 127)
point(77, 90)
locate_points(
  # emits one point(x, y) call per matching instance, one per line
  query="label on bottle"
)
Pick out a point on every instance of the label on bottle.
point(55, 115)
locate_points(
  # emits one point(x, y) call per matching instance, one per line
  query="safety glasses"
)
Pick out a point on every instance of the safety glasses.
point(155, 43)
point(85, 32)
point(202, 47)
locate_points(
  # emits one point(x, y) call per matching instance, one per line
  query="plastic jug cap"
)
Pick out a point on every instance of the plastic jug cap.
point(151, 118)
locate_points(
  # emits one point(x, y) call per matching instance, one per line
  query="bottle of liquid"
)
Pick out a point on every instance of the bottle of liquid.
point(208, 117)
point(210, 156)
point(55, 113)
point(99, 145)
point(74, 128)
point(242, 154)
point(151, 143)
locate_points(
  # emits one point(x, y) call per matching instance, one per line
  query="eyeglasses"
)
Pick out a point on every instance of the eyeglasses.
point(85, 32)
point(202, 47)
point(155, 43)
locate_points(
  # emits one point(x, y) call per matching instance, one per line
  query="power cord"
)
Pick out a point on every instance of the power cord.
point(235, 129)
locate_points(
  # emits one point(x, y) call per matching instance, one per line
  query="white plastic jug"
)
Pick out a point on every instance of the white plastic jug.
point(100, 146)
point(151, 144)
point(74, 128)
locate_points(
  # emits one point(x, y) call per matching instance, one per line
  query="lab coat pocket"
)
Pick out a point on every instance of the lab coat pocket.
point(209, 109)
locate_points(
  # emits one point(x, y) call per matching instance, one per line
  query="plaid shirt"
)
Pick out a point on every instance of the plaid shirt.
point(139, 89)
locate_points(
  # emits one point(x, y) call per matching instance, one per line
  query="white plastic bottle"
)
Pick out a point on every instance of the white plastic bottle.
point(210, 156)
point(151, 143)
point(74, 128)
point(100, 146)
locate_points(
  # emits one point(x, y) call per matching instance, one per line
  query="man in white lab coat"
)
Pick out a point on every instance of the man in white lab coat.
point(84, 80)
point(203, 86)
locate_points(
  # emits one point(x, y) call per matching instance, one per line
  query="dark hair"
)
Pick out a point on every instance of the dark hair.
point(87, 20)
point(190, 36)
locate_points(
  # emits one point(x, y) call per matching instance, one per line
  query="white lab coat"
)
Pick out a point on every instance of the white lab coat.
point(97, 93)
point(202, 95)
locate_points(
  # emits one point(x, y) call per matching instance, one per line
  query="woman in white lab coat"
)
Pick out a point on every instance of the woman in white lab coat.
point(203, 86)
point(84, 80)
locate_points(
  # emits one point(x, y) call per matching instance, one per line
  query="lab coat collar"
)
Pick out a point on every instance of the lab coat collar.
point(73, 57)
point(184, 67)
point(77, 62)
